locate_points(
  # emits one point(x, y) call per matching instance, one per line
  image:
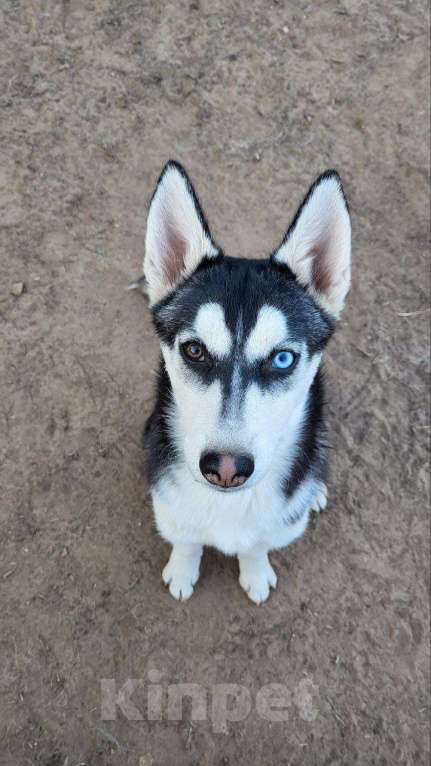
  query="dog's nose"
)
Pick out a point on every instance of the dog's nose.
point(226, 470)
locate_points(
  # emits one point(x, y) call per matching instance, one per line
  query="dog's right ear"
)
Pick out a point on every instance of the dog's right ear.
point(178, 238)
point(317, 247)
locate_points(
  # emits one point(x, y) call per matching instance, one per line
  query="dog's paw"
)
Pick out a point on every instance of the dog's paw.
point(321, 499)
point(256, 578)
point(181, 575)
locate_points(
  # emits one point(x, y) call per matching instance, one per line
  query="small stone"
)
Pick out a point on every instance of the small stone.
point(401, 596)
point(17, 289)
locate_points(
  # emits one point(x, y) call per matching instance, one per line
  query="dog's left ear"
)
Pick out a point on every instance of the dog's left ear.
point(317, 246)
point(178, 238)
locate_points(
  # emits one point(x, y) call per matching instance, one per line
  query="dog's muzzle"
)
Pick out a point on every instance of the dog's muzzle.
point(225, 470)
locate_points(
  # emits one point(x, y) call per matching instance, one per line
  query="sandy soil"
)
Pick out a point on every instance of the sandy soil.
point(255, 98)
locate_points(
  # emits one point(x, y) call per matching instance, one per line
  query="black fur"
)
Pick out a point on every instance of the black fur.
point(312, 444)
point(157, 439)
point(242, 286)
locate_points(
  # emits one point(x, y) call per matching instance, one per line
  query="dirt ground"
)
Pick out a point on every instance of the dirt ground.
point(255, 98)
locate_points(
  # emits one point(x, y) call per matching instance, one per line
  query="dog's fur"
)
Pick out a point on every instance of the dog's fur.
point(241, 312)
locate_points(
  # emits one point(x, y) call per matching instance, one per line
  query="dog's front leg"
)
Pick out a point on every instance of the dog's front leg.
point(256, 574)
point(321, 498)
point(181, 572)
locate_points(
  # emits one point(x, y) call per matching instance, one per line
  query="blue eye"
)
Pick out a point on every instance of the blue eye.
point(282, 360)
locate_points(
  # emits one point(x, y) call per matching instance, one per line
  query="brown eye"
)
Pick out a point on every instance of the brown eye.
point(194, 351)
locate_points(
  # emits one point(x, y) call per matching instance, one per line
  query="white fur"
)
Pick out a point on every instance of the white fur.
point(269, 332)
point(182, 570)
point(322, 232)
point(321, 500)
point(235, 522)
point(256, 575)
point(210, 327)
point(172, 219)
point(248, 523)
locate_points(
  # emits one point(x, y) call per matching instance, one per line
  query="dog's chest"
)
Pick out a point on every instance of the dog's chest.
point(233, 523)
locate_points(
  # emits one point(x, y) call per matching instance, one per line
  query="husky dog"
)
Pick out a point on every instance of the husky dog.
point(236, 442)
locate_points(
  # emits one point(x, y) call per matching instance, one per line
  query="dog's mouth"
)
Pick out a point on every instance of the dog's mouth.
point(238, 480)
point(225, 490)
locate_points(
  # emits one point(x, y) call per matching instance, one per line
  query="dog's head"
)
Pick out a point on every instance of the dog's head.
point(242, 339)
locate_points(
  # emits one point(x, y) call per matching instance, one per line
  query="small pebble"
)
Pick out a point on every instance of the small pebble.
point(401, 596)
point(17, 289)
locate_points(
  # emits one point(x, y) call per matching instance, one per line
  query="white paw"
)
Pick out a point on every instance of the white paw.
point(321, 499)
point(181, 575)
point(256, 578)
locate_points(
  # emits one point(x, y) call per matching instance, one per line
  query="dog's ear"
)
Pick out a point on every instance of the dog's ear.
point(178, 238)
point(317, 245)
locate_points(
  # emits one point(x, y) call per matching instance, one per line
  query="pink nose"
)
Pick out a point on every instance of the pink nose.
point(225, 470)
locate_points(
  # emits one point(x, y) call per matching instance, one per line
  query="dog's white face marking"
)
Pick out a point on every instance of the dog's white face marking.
point(230, 407)
point(211, 329)
point(269, 333)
